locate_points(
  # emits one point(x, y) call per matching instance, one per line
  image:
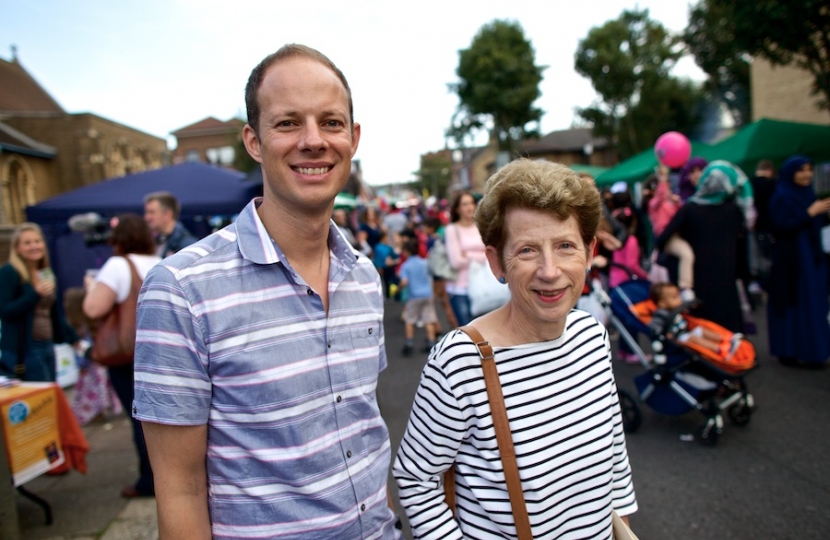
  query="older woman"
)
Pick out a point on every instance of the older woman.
point(32, 318)
point(538, 221)
point(133, 244)
point(799, 334)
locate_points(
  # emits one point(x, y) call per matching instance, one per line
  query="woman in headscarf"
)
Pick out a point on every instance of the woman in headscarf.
point(690, 176)
point(799, 334)
point(714, 222)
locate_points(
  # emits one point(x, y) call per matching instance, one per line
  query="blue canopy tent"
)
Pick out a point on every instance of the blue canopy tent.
point(203, 190)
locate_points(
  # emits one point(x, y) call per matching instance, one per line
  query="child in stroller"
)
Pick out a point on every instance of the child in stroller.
point(668, 320)
point(679, 377)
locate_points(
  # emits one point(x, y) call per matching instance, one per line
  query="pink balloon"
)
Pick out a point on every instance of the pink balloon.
point(672, 149)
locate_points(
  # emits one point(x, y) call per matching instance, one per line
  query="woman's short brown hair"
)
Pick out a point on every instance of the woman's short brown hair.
point(132, 235)
point(536, 185)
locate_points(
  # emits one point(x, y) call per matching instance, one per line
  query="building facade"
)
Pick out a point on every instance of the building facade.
point(783, 93)
point(46, 151)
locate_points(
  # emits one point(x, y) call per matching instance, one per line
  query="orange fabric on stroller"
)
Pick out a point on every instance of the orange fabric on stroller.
point(743, 358)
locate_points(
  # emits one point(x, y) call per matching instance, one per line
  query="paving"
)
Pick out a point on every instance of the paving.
point(770, 479)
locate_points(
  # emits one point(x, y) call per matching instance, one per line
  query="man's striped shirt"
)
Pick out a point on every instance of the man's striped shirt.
point(564, 413)
point(229, 335)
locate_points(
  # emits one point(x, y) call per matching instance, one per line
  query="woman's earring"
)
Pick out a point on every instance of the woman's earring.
point(587, 270)
point(502, 280)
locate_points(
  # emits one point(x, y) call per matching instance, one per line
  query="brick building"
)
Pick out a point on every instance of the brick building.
point(209, 141)
point(783, 93)
point(46, 151)
point(575, 146)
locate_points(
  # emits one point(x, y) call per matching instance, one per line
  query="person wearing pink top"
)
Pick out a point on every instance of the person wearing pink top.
point(661, 209)
point(464, 245)
point(627, 258)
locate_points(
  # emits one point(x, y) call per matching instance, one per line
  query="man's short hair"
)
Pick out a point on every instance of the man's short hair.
point(291, 50)
point(166, 200)
point(765, 165)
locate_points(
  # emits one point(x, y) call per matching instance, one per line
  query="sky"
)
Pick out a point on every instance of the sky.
point(159, 65)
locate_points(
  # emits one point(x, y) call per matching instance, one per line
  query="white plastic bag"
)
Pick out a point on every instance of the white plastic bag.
point(66, 371)
point(484, 290)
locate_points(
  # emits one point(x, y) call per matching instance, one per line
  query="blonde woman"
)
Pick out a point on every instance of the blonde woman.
point(32, 320)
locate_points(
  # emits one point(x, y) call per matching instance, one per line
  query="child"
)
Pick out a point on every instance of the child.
point(93, 394)
point(415, 277)
point(385, 260)
point(661, 209)
point(667, 298)
point(626, 258)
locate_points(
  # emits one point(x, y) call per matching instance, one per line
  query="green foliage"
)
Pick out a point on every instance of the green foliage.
point(710, 37)
point(435, 174)
point(783, 32)
point(499, 82)
point(242, 160)
point(628, 61)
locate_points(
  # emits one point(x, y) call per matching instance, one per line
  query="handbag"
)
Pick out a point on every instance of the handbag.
point(484, 290)
point(621, 530)
point(507, 450)
point(114, 342)
point(503, 439)
point(439, 263)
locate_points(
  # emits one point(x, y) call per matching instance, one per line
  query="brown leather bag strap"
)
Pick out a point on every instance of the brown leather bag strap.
point(503, 437)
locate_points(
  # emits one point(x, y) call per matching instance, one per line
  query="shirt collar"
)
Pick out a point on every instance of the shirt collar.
point(256, 245)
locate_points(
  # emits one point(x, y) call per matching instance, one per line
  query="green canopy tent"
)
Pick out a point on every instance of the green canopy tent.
point(637, 168)
point(774, 140)
point(593, 170)
point(346, 201)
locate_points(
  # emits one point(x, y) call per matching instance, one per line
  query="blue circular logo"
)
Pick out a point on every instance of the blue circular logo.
point(18, 412)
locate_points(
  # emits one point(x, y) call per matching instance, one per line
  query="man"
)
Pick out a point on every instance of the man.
point(258, 352)
point(161, 212)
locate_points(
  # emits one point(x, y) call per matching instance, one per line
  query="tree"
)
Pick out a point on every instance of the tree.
point(710, 37)
point(499, 82)
point(435, 174)
point(628, 61)
point(784, 32)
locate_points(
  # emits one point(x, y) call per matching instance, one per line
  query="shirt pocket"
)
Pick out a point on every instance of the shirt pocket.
point(365, 339)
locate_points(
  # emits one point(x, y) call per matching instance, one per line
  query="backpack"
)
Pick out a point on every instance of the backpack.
point(439, 263)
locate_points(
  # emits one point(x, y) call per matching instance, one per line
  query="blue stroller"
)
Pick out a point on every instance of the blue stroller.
point(676, 379)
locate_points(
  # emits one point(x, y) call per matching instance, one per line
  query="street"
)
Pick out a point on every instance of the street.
point(769, 479)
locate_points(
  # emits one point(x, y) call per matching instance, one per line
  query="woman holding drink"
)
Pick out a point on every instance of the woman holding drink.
point(32, 320)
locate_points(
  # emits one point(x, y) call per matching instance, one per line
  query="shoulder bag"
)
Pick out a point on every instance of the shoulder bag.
point(114, 341)
point(507, 450)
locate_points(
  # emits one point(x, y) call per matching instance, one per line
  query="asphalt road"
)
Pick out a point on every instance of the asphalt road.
point(769, 479)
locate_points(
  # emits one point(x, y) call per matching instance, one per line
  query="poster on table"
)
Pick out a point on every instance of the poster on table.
point(30, 426)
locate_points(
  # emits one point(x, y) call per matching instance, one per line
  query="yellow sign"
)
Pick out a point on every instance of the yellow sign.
point(30, 424)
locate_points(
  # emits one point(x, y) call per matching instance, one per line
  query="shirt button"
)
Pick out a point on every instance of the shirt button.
point(309, 291)
point(339, 399)
point(362, 507)
point(329, 344)
point(349, 454)
point(370, 330)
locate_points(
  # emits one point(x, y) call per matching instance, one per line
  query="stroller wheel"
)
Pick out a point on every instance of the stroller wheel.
point(741, 412)
point(631, 415)
point(711, 430)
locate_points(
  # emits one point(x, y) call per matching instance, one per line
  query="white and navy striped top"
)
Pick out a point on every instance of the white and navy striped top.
point(229, 335)
point(564, 414)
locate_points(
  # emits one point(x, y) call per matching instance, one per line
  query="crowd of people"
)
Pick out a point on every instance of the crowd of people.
point(252, 382)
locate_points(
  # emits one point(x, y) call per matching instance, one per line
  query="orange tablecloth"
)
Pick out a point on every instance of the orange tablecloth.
point(41, 432)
